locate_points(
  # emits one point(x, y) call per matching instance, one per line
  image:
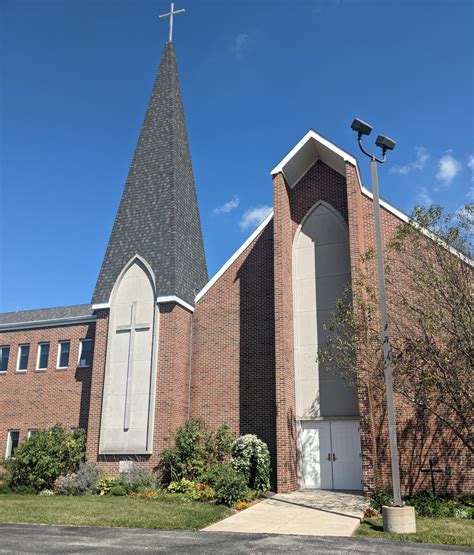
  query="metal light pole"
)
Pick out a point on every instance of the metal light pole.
point(385, 144)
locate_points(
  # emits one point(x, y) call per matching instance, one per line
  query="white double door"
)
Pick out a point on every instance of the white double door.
point(330, 455)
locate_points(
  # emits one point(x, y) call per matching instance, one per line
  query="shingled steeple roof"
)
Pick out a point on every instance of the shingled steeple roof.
point(158, 216)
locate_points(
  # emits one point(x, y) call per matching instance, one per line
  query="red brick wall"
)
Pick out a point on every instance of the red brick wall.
point(234, 346)
point(173, 376)
point(97, 384)
point(287, 479)
point(43, 398)
point(291, 205)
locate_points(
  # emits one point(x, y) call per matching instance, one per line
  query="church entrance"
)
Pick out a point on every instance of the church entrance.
point(330, 455)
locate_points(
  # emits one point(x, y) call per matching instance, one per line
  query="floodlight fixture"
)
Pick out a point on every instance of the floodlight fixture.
point(385, 143)
point(361, 127)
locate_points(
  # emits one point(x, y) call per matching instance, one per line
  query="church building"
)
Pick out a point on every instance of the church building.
point(161, 342)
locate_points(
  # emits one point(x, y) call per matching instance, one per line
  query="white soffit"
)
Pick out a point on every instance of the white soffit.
point(313, 147)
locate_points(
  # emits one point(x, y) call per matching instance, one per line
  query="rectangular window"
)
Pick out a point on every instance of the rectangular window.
point(32, 432)
point(63, 354)
point(12, 442)
point(85, 353)
point(4, 356)
point(43, 356)
point(23, 354)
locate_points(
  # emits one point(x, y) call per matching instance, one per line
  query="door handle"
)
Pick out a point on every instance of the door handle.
point(329, 457)
point(334, 458)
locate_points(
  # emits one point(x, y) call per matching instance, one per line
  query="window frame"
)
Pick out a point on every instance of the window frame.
point(8, 359)
point(30, 432)
point(38, 356)
point(22, 371)
point(9, 447)
point(81, 346)
point(58, 360)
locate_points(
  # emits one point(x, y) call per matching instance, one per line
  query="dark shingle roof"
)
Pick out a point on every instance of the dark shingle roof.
point(12, 319)
point(158, 216)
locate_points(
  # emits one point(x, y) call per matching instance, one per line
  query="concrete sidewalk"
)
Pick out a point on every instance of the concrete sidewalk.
point(307, 513)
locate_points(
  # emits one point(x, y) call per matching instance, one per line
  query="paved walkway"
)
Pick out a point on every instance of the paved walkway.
point(26, 538)
point(308, 513)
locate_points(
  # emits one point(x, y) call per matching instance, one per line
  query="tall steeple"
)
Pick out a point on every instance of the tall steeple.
point(158, 216)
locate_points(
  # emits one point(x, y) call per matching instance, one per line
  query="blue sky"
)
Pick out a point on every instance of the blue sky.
point(255, 76)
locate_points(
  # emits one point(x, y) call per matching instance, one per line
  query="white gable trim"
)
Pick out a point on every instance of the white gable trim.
point(311, 134)
point(346, 157)
point(100, 306)
point(395, 211)
point(405, 218)
point(234, 257)
point(174, 299)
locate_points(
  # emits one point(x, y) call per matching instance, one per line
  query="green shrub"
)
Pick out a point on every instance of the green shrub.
point(118, 490)
point(467, 499)
point(24, 490)
point(250, 457)
point(105, 484)
point(82, 482)
point(382, 496)
point(426, 504)
point(42, 458)
point(202, 492)
point(229, 485)
point(183, 486)
point(138, 479)
point(5, 488)
point(196, 448)
point(430, 505)
point(218, 445)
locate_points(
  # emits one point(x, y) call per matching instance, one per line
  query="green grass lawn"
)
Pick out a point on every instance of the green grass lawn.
point(450, 531)
point(166, 511)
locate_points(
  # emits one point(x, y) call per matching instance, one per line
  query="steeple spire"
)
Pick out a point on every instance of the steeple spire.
point(158, 216)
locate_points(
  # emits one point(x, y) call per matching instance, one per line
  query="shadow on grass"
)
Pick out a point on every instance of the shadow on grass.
point(376, 527)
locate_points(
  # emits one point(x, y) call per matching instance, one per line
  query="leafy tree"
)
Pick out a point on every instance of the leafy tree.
point(42, 458)
point(196, 448)
point(429, 291)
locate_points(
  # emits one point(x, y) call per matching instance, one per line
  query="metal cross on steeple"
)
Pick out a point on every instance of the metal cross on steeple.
point(171, 14)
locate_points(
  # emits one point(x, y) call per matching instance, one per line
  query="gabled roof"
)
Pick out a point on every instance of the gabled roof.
point(46, 317)
point(311, 148)
point(158, 217)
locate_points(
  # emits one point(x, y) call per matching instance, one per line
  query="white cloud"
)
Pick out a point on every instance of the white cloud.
point(470, 194)
point(241, 45)
point(227, 206)
point(423, 197)
point(254, 216)
point(421, 157)
point(448, 168)
point(470, 164)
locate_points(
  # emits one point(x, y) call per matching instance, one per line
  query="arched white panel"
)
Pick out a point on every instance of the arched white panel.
point(127, 412)
point(321, 271)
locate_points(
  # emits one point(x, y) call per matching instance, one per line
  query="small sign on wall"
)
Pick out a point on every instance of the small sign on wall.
point(125, 466)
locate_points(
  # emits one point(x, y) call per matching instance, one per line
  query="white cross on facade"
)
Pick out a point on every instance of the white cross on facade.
point(130, 328)
point(171, 14)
